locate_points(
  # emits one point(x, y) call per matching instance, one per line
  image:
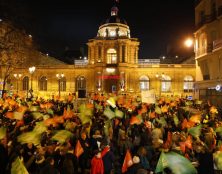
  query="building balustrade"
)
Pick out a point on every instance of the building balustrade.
point(217, 44)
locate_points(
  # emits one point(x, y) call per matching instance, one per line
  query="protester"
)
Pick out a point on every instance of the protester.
point(43, 134)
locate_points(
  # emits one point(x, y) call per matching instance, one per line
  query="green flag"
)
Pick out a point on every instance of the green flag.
point(219, 131)
point(218, 160)
point(158, 110)
point(61, 136)
point(109, 113)
point(2, 132)
point(29, 137)
point(40, 127)
point(195, 131)
point(18, 167)
point(177, 163)
point(119, 113)
point(162, 163)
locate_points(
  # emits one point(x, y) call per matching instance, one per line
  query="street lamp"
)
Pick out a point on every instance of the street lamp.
point(59, 76)
point(17, 76)
point(31, 71)
point(188, 42)
point(160, 77)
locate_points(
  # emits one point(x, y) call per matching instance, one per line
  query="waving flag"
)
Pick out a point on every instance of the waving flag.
point(128, 161)
point(218, 160)
point(195, 131)
point(61, 136)
point(29, 137)
point(78, 149)
point(109, 113)
point(162, 163)
point(176, 163)
point(2, 132)
point(18, 167)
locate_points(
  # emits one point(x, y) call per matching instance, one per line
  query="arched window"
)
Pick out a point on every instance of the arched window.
point(80, 83)
point(165, 83)
point(144, 83)
point(111, 56)
point(43, 83)
point(62, 84)
point(25, 83)
point(188, 83)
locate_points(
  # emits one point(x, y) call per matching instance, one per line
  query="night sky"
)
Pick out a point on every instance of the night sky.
point(57, 24)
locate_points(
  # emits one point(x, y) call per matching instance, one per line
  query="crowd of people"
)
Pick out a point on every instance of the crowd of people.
point(108, 133)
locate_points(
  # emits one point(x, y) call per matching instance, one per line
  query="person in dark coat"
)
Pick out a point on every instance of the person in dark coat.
point(3, 157)
point(70, 165)
point(49, 167)
point(136, 166)
point(84, 158)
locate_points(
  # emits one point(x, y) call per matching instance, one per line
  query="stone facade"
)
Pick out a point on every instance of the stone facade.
point(112, 66)
point(208, 50)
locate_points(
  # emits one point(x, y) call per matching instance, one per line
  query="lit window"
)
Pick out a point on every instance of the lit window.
point(166, 83)
point(111, 56)
point(25, 83)
point(80, 83)
point(144, 83)
point(62, 84)
point(188, 84)
point(43, 84)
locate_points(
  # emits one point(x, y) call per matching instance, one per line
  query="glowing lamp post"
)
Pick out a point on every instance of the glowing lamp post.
point(59, 76)
point(188, 43)
point(17, 77)
point(31, 71)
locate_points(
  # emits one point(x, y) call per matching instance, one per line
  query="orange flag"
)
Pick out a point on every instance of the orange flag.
point(128, 161)
point(134, 120)
point(78, 149)
point(168, 142)
point(188, 142)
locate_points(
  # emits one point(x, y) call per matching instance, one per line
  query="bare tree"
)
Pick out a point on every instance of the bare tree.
point(14, 48)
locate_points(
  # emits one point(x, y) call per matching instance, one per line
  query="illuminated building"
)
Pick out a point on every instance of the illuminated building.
point(208, 50)
point(112, 65)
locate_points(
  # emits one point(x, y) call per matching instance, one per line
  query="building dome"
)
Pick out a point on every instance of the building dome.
point(114, 26)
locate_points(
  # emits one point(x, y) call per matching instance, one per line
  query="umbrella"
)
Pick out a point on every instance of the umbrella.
point(177, 163)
